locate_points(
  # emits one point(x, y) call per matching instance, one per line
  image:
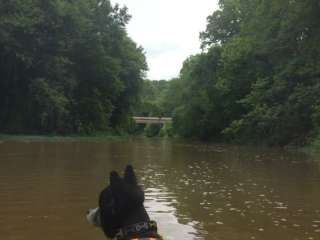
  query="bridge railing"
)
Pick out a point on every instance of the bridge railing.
point(152, 120)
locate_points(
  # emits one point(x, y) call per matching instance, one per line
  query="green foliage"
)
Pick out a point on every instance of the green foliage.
point(316, 144)
point(166, 130)
point(281, 102)
point(222, 24)
point(152, 130)
point(259, 78)
point(157, 99)
point(157, 130)
point(50, 104)
point(153, 99)
point(196, 116)
point(66, 67)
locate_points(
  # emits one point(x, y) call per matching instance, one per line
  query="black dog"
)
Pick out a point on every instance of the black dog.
point(122, 214)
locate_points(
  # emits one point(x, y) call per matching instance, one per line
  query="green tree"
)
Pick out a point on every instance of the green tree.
point(258, 76)
point(66, 66)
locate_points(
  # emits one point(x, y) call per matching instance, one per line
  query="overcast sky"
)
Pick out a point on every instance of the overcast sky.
point(168, 30)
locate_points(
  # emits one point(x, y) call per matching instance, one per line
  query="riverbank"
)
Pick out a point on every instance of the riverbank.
point(313, 147)
point(59, 138)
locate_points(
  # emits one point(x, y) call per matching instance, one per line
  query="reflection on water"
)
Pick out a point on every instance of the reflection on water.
point(193, 191)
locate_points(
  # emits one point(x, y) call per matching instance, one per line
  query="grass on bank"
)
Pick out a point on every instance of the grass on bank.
point(57, 138)
point(315, 145)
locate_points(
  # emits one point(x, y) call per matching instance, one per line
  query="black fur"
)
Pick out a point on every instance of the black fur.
point(121, 203)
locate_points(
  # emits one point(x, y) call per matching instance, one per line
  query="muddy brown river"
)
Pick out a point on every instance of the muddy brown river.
point(193, 190)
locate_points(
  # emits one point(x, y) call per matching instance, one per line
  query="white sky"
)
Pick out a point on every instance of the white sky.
point(168, 30)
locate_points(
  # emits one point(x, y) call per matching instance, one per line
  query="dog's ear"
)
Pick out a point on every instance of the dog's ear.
point(130, 176)
point(114, 178)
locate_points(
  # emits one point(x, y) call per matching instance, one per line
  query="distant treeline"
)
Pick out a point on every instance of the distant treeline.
point(66, 66)
point(155, 101)
point(69, 67)
point(258, 78)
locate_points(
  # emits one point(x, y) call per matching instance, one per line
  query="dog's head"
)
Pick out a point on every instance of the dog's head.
point(118, 200)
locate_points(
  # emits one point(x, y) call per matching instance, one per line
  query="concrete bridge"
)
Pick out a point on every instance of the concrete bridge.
point(152, 120)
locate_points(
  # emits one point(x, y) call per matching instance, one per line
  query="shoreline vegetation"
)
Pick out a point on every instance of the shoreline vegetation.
point(257, 80)
point(62, 138)
point(149, 132)
point(71, 69)
point(313, 147)
point(67, 67)
point(144, 130)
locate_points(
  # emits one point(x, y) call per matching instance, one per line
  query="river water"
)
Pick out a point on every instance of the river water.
point(193, 190)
